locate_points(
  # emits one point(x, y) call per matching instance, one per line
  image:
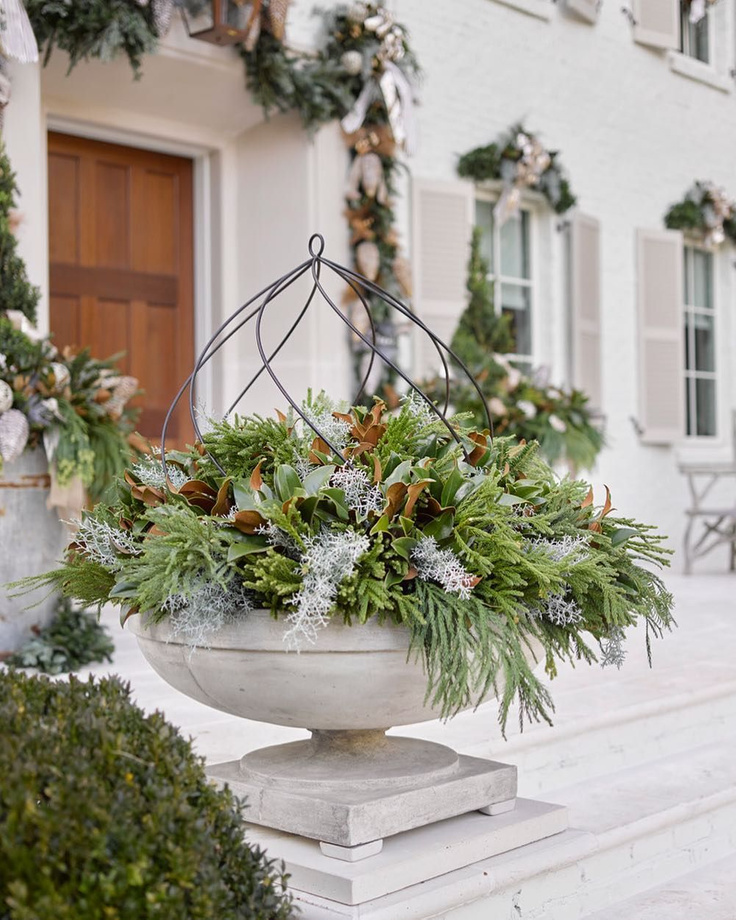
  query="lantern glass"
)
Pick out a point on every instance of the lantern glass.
point(222, 22)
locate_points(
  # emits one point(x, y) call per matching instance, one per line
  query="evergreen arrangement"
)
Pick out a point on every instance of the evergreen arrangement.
point(101, 29)
point(107, 812)
point(523, 406)
point(74, 639)
point(73, 405)
point(471, 542)
point(16, 291)
point(520, 160)
point(705, 212)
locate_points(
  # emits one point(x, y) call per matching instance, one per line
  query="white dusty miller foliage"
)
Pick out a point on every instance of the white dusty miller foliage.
point(360, 495)
point(442, 566)
point(198, 615)
point(150, 471)
point(103, 543)
point(561, 610)
point(279, 538)
point(329, 558)
point(613, 653)
point(418, 407)
point(335, 430)
point(572, 548)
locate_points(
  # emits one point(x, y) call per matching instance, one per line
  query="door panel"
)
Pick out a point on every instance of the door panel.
point(121, 274)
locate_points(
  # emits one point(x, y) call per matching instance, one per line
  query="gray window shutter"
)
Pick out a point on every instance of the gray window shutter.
point(583, 9)
point(657, 22)
point(585, 289)
point(443, 214)
point(661, 336)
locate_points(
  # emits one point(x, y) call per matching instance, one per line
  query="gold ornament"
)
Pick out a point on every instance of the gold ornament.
point(277, 10)
point(402, 271)
point(368, 260)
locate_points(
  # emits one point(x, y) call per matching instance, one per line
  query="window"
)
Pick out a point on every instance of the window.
point(694, 36)
point(508, 251)
point(700, 357)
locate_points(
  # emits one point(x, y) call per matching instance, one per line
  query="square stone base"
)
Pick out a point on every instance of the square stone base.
point(355, 816)
point(331, 887)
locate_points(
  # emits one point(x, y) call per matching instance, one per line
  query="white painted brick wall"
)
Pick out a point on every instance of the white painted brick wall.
point(633, 136)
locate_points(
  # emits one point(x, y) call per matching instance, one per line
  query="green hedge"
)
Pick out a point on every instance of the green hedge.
point(106, 814)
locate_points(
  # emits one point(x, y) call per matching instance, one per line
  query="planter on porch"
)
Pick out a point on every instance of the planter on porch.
point(32, 540)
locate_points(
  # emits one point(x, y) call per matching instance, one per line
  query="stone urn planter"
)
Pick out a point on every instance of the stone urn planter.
point(350, 785)
point(32, 540)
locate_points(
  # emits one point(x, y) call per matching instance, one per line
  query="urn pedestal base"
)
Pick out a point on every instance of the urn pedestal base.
point(351, 789)
point(418, 872)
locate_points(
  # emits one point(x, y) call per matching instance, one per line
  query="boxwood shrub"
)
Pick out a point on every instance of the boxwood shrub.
point(106, 814)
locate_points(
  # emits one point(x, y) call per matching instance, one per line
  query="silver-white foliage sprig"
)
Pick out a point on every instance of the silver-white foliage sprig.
point(105, 544)
point(150, 471)
point(443, 567)
point(569, 548)
point(360, 495)
point(613, 653)
point(330, 557)
point(197, 615)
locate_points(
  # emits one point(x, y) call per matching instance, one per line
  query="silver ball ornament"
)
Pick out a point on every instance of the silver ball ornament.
point(352, 62)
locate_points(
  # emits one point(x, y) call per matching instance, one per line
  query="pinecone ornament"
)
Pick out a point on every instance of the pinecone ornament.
point(62, 377)
point(402, 272)
point(163, 10)
point(14, 433)
point(6, 396)
point(277, 10)
point(368, 259)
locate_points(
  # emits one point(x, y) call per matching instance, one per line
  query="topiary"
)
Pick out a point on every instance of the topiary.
point(16, 291)
point(106, 812)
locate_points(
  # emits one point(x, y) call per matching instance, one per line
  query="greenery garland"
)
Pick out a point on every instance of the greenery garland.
point(523, 406)
point(101, 29)
point(520, 161)
point(705, 212)
point(16, 291)
point(473, 544)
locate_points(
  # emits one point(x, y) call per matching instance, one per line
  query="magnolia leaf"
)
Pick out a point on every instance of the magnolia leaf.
point(402, 472)
point(440, 528)
point(248, 521)
point(255, 544)
point(622, 534)
point(223, 504)
point(256, 480)
point(286, 481)
point(413, 493)
point(404, 546)
point(395, 495)
point(381, 525)
point(315, 480)
point(588, 500)
point(377, 471)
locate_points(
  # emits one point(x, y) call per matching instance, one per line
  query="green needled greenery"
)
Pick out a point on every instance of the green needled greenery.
point(560, 420)
point(73, 639)
point(106, 812)
point(473, 544)
point(16, 291)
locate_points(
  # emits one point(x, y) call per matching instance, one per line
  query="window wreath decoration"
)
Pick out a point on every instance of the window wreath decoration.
point(520, 161)
point(706, 212)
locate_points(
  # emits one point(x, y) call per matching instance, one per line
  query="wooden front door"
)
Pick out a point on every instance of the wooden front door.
point(121, 265)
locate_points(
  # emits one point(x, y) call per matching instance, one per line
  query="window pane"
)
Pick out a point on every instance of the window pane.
point(699, 40)
point(704, 336)
point(516, 303)
point(484, 220)
point(705, 406)
point(687, 267)
point(688, 332)
point(515, 246)
point(702, 279)
point(689, 420)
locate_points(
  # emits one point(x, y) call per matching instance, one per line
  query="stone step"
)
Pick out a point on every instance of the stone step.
point(708, 894)
point(639, 828)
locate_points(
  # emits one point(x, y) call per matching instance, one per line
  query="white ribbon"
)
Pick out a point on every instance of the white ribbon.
point(17, 40)
point(697, 11)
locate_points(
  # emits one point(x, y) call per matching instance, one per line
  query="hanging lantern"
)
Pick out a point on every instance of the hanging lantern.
point(222, 22)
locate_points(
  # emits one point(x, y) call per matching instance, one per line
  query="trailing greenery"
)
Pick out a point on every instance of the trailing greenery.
point(506, 160)
point(107, 812)
point(101, 29)
point(73, 639)
point(521, 405)
point(472, 543)
point(16, 291)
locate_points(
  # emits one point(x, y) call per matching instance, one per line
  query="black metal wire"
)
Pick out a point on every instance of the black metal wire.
point(267, 296)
